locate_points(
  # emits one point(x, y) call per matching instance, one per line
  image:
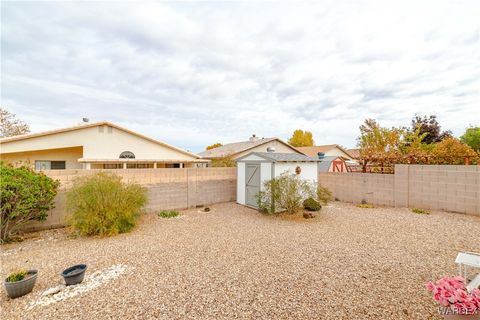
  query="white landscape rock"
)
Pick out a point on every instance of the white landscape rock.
point(95, 280)
point(53, 290)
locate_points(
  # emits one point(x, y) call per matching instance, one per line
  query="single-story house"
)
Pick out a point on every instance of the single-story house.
point(254, 144)
point(101, 145)
point(327, 150)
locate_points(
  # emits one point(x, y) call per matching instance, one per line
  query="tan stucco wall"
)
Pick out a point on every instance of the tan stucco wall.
point(279, 148)
point(69, 155)
point(97, 144)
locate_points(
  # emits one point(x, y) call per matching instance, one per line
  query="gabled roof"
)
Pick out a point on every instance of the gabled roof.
point(324, 166)
point(355, 153)
point(314, 150)
point(90, 125)
point(232, 149)
point(282, 157)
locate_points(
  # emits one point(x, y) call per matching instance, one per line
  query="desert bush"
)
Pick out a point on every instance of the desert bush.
point(324, 195)
point(310, 204)
point(285, 192)
point(365, 205)
point(420, 211)
point(25, 196)
point(223, 162)
point(101, 204)
point(168, 214)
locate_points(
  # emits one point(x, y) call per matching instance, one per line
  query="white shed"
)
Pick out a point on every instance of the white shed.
point(257, 167)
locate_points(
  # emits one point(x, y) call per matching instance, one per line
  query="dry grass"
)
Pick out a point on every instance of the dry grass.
point(347, 263)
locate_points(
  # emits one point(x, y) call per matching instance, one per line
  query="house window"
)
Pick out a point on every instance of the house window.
point(49, 165)
point(139, 165)
point(113, 166)
point(127, 155)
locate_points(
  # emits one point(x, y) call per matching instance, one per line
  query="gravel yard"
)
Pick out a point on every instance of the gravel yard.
point(348, 263)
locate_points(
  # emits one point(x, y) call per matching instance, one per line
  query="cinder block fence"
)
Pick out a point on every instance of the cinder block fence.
point(177, 188)
point(449, 188)
point(453, 188)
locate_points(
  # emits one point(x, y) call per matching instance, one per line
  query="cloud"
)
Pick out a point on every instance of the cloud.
point(194, 73)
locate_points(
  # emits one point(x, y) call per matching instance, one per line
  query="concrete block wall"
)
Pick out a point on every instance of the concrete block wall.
point(177, 188)
point(454, 188)
point(355, 187)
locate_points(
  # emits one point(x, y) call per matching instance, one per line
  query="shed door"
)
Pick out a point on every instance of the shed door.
point(252, 184)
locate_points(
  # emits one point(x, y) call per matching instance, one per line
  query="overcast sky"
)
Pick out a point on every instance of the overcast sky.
point(195, 73)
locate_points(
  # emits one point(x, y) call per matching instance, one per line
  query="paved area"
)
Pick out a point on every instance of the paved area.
point(348, 263)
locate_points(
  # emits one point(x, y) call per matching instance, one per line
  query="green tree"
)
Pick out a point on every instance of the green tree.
point(471, 137)
point(413, 149)
point(301, 138)
point(213, 146)
point(10, 126)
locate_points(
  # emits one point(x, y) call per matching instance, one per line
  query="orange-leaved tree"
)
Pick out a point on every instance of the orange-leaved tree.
point(453, 151)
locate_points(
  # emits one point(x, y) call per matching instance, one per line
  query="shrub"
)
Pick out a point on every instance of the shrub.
point(223, 162)
point(26, 196)
point(101, 204)
point(285, 192)
point(420, 211)
point(168, 214)
point(17, 276)
point(324, 195)
point(365, 205)
point(311, 204)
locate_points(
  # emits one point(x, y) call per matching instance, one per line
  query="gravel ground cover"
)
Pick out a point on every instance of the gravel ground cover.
point(348, 263)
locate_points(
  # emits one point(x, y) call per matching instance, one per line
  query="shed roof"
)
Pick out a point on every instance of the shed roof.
point(282, 157)
point(324, 166)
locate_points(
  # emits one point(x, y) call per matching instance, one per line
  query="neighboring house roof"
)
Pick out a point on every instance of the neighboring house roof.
point(282, 157)
point(89, 125)
point(314, 150)
point(355, 153)
point(232, 149)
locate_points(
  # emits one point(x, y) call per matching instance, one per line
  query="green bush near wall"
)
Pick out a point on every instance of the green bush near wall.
point(26, 196)
point(101, 204)
point(285, 192)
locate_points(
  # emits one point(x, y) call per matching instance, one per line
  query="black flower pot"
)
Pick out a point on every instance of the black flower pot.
point(74, 274)
point(20, 288)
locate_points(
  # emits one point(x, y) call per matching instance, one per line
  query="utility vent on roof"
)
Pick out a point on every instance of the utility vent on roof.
point(253, 138)
point(271, 149)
